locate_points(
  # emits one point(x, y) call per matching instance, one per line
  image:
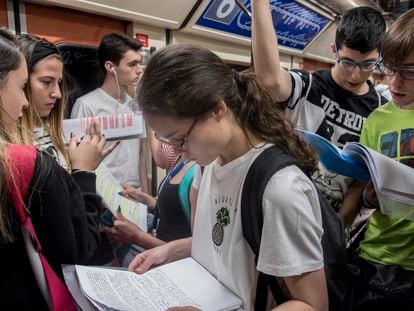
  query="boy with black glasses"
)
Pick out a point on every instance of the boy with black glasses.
point(386, 257)
point(333, 103)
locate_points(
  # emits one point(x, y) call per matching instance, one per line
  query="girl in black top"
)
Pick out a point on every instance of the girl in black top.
point(173, 222)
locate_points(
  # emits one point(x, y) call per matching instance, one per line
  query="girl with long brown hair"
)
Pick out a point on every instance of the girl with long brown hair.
point(223, 120)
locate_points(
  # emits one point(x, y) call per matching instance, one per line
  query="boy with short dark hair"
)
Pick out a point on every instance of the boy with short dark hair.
point(119, 58)
point(333, 103)
point(113, 48)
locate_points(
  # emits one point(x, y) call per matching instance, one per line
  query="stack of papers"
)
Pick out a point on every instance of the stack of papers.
point(180, 283)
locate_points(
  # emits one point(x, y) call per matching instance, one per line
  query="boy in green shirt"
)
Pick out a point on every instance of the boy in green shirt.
point(386, 257)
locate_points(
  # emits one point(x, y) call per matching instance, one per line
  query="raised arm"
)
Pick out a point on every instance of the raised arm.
point(266, 54)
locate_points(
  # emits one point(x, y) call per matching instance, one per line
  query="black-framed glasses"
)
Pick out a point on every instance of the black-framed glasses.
point(177, 143)
point(350, 65)
point(405, 72)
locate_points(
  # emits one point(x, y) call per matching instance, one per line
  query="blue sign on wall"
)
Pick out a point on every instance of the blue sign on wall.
point(296, 25)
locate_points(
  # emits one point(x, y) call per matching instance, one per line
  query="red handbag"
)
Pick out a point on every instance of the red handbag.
point(22, 160)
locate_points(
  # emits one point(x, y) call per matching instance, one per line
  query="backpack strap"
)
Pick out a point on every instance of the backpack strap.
point(184, 191)
point(22, 160)
point(262, 169)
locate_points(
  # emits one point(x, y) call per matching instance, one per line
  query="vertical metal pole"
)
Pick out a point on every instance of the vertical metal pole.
point(16, 14)
point(247, 12)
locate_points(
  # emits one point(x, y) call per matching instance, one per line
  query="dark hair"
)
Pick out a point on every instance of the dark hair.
point(188, 81)
point(36, 49)
point(113, 47)
point(360, 29)
point(399, 40)
point(9, 54)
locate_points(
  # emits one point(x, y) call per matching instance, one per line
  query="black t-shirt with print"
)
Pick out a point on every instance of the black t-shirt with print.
point(318, 104)
point(332, 112)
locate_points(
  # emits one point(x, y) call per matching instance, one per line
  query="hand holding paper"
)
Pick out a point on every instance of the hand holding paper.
point(393, 181)
point(113, 127)
point(183, 283)
point(108, 188)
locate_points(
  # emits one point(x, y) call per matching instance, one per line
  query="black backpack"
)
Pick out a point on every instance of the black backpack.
point(263, 168)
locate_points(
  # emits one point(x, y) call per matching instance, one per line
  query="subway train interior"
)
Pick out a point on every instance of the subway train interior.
point(307, 41)
point(221, 26)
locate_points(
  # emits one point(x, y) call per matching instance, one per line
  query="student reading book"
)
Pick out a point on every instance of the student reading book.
point(334, 102)
point(395, 194)
point(386, 258)
point(223, 120)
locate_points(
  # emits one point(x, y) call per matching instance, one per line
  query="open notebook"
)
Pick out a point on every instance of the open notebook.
point(180, 283)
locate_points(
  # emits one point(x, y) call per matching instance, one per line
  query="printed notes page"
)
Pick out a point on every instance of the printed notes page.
point(108, 188)
point(180, 283)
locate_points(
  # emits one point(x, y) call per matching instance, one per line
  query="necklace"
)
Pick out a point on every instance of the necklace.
point(174, 171)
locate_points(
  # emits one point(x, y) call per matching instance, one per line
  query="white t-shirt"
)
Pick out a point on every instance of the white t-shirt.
point(123, 162)
point(292, 226)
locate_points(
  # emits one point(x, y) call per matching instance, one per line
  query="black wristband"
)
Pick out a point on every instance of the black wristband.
point(76, 170)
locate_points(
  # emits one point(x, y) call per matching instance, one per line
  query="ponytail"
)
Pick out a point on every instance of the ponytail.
point(188, 81)
point(260, 115)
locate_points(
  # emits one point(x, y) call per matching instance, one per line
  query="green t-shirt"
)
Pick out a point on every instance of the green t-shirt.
point(390, 240)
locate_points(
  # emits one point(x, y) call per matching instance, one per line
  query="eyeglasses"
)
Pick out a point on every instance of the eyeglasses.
point(350, 65)
point(177, 143)
point(405, 72)
point(365, 66)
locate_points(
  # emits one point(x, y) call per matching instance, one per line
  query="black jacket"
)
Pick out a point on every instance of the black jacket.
point(64, 210)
